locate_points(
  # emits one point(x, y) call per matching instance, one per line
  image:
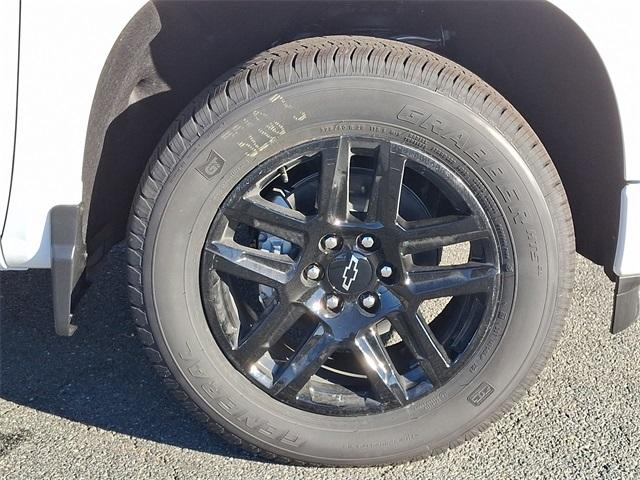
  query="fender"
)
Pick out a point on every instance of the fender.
point(9, 53)
point(63, 46)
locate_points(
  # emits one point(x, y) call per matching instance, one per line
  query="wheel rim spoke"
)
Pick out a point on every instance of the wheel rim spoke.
point(420, 236)
point(387, 184)
point(380, 369)
point(451, 281)
point(261, 214)
point(333, 191)
point(305, 362)
point(424, 346)
point(250, 264)
point(266, 333)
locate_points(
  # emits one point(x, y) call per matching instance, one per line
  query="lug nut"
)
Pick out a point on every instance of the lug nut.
point(369, 301)
point(386, 271)
point(367, 242)
point(333, 302)
point(313, 272)
point(331, 242)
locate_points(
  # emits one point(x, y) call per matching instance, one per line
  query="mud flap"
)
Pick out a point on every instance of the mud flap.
point(626, 308)
point(68, 259)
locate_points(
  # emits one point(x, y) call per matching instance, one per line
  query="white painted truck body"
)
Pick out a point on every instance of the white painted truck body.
point(43, 167)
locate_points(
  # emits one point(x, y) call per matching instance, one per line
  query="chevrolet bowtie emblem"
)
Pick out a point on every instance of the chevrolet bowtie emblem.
point(350, 273)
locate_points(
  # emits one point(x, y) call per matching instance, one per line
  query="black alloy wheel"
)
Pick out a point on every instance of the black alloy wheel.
point(350, 251)
point(323, 258)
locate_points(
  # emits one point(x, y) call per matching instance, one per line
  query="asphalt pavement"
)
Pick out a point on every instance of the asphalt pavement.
point(90, 407)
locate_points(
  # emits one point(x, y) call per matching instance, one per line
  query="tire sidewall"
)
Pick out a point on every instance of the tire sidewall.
point(286, 117)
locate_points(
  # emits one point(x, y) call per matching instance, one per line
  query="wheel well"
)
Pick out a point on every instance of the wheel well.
point(171, 50)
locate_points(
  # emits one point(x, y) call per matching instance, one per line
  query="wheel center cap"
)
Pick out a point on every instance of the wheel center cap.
point(350, 273)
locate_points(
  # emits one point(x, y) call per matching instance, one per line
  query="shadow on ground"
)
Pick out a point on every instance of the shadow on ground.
point(100, 376)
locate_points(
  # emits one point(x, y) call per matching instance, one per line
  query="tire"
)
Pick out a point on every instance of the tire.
point(444, 123)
